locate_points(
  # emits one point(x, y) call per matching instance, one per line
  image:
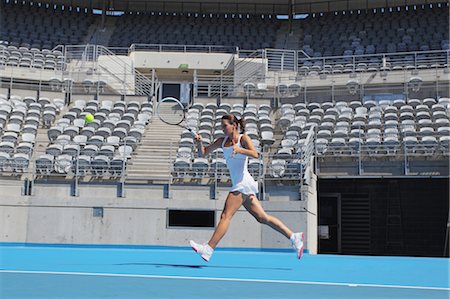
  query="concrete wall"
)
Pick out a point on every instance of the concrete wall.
point(232, 101)
point(50, 94)
point(29, 73)
point(24, 93)
point(51, 215)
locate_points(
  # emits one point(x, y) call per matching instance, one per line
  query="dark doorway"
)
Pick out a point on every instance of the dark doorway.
point(329, 223)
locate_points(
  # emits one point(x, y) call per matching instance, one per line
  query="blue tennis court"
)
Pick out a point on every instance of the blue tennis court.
point(45, 271)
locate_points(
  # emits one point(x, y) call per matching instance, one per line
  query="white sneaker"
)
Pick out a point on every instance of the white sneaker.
point(297, 243)
point(204, 250)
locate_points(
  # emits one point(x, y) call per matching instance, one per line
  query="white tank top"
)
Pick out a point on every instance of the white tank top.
point(237, 165)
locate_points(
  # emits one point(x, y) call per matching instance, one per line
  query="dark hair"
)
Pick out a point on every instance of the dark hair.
point(234, 120)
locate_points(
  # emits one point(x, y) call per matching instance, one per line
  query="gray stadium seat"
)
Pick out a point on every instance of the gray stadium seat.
point(63, 164)
point(277, 168)
point(182, 167)
point(200, 167)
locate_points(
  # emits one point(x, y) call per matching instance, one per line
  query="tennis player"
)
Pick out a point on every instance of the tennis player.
point(236, 149)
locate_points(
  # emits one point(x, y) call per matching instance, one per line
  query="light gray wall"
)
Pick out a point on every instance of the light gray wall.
point(52, 95)
point(51, 215)
point(172, 60)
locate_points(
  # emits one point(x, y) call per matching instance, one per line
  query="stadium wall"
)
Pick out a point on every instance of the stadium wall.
point(51, 215)
point(170, 60)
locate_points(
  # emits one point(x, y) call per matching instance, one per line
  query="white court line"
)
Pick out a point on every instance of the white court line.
point(228, 279)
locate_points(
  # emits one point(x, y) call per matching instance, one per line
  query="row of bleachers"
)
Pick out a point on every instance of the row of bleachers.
point(100, 146)
point(380, 128)
point(41, 27)
point(356, 33)
point(103, 147)
point(20, 119)
point(206, 121)
point(375, 129)
point(100, 165)
point(31, 58)
point(421, 28)
point(248, 32)
point(372, 64)
point(371, 32)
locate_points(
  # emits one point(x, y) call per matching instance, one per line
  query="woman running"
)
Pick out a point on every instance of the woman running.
point(236, 150)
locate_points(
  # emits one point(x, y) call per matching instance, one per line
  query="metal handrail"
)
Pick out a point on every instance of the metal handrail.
point(183, 48)
point(415, 58)
point(268, 171)
point(143, 85)
point(227, 81)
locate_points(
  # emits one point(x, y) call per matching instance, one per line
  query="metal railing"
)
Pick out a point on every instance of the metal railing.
point(344, 160)
point(268, 168)
point(366, 157)
point(80, 54)
point(250, 67)
point(215, 86)
point(141, 84)
point(183, 48)
point(292, 66)
point(384, 61)
point(292, 60)
point(306, 159)
point(81, 62)
point(74, 161)
point(401, 151)
point(281, 60)
point(251, 53)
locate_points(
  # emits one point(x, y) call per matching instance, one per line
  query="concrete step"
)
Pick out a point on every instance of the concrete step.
point(155, 149)
point(141, 173)
point(149, 164)
point(145, 156)
point(152, 159)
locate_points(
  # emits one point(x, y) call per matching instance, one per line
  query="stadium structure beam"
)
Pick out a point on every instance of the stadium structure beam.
point(284, 7)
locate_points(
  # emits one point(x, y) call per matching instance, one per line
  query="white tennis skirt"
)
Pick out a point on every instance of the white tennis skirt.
point(247, 186)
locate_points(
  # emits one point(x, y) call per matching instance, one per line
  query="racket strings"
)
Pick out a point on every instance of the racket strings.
point(171, 111)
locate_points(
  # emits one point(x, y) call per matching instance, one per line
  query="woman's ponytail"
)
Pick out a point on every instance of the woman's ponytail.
point(241, 123)
point(234, 120)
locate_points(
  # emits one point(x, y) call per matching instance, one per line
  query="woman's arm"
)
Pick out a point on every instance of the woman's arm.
point(210, 148)
point(247, 149)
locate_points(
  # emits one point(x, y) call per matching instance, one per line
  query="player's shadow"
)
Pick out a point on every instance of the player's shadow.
point(201, 266)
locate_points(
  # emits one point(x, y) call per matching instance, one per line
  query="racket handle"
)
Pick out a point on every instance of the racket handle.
point(192, 132)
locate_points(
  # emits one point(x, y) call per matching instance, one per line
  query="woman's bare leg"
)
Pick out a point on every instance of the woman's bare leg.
point(254, 207)
point(232, 204)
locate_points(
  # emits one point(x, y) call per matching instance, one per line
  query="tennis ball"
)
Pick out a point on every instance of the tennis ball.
point(89, 118)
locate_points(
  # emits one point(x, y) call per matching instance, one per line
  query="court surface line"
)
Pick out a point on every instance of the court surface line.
point(227, 279)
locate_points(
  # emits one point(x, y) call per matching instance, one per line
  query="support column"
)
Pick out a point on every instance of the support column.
point(309, 194)
point(104, 6)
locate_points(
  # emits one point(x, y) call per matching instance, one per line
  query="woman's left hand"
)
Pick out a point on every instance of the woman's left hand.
point(236, 150)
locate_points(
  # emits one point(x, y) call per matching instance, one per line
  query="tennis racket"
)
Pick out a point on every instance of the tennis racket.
point(172, 112)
